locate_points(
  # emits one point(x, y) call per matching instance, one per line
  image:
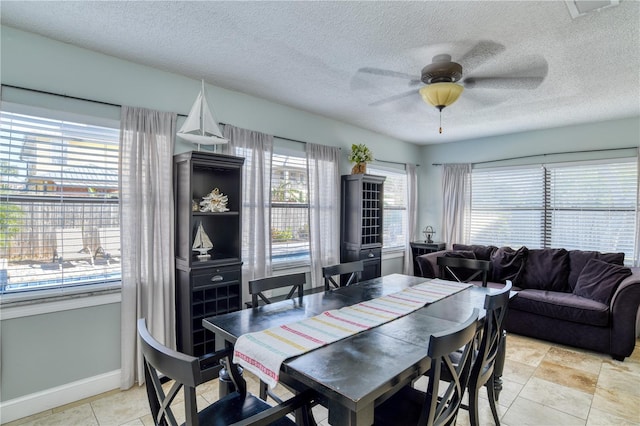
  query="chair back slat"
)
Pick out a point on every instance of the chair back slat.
point(451, 266)
point(352, 269)
point(258, 286)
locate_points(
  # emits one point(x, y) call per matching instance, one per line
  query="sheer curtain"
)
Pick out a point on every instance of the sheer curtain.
point(147, 139)
point(256, 148)
point(412, 213)
point(456, 190)
point(324, 204)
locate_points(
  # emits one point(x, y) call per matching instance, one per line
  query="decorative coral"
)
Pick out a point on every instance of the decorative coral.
point(215, 201)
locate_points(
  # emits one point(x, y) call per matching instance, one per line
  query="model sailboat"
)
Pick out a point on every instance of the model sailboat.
point(200, 127)
point(202, 243)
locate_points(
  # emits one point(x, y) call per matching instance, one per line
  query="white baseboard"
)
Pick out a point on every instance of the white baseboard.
point(37, 402)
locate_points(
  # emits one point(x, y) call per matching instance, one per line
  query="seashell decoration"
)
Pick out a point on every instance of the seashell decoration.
point(215, 201)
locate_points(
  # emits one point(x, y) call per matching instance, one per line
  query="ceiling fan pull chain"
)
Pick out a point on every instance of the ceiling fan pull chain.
point(440, 121)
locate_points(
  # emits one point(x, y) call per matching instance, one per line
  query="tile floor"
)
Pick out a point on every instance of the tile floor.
point(544, 384)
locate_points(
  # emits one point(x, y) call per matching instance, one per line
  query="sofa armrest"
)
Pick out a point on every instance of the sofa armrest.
point(428, 264)
point(624, 310)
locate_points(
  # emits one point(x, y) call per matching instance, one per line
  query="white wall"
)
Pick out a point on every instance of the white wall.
point(44, 353)
point(592, 136)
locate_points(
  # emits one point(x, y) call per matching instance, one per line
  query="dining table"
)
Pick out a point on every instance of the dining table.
point(354, 374)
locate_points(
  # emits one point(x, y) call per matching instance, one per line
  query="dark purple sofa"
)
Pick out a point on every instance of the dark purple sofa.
point(584, 299)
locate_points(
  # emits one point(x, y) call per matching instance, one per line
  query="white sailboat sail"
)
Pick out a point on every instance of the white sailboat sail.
point(200, 127)
point(202, 243)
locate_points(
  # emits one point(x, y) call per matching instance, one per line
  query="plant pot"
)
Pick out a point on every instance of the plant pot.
point(359, 168)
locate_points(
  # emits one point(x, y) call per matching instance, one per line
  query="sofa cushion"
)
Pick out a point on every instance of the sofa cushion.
point(481, 252)
point(578, 260)
point(546, 269)
point(508, 264)
point(463, 273)
point(564, 306)
point(599, 280)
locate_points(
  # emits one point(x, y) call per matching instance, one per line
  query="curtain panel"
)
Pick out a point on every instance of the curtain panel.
point(412, 213)
point(256, 148)
point(324, 203)
point(456, 192)
point(147, 141)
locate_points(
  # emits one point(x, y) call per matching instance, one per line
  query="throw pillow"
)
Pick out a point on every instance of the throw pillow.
point(508, 264)
point(599, 280)
point(578, 260)
point(481, 252)
point(546, 269)
point(463, 273)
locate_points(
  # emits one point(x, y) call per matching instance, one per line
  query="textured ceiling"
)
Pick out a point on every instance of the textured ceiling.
point(314, 56)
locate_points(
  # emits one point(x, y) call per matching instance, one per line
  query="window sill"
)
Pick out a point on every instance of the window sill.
point(47, 301)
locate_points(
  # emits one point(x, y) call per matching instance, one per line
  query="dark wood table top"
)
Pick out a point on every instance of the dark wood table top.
point(355, 373)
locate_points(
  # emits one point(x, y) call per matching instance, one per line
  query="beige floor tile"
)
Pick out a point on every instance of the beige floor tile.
point(525, 350)
point(320, 413)
point(567, 376)
point(78, 415)
point(584, 361)
point(123, 407)
point(484, 414)
point(510, 391)
point(525, 412)
point(136, 422)
point(615, 376)
point(624, 366)
point(27, 419)
point(601, 418)
point(517, 372)
point(561, 398)
point(623, 404)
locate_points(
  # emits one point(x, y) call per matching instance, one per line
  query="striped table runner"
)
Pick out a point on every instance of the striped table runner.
point(263, 352)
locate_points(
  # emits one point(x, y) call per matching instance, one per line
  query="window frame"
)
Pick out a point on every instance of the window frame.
point(387, 171)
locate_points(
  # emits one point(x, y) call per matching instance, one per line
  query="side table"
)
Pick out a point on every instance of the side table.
point(422, 247)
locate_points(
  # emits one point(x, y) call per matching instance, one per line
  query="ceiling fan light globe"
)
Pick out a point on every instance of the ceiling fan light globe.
point(441, 95)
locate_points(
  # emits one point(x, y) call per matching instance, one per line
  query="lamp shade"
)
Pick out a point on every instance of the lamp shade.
point(441, 95)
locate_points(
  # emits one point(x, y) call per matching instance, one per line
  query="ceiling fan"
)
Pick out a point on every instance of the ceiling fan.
point(443, 80)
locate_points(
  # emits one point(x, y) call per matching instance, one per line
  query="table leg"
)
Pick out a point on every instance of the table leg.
point(339, 415)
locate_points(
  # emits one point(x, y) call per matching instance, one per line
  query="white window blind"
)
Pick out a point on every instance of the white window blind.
point(394, 217)
point(58, 203)
point(289, 210)
point(507, 207)
point(593, 206)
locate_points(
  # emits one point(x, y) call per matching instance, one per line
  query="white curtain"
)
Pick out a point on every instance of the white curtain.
point(147, 139)
point(324, 205)
point(412, 213)
point(456, 191)
point(256, 148)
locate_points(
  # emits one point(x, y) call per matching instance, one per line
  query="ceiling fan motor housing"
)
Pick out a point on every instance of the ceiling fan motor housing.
point(441, 72)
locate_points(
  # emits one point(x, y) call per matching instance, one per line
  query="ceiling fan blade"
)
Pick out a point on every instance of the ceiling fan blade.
point(388, 73)
point(479, 53)
point(394, 98)
point(510, 83)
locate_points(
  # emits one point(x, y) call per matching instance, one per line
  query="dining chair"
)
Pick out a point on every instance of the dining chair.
point(256, 289)
point(464, 269)
point(411, 406)
point(185, 371)
point(352, 272)
point(260, 285)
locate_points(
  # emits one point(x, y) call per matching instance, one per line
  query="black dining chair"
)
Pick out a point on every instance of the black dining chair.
point(258, 286)
point(256, 289)
point(410, 406)
point(349, 273)
point(464, 269)
point(186, 372)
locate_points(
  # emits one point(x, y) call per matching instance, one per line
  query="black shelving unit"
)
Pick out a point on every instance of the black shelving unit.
point(361, 222)
point(207, 287)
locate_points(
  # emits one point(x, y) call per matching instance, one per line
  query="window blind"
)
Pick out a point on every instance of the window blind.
point(58, 203)
point(507, 207)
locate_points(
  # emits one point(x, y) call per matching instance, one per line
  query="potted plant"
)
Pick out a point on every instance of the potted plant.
point(360, 155)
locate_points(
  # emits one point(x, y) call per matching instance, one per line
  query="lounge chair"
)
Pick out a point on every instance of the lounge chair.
point(109, 242)
point(70, 246)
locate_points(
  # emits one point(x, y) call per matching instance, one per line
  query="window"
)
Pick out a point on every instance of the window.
point(585, 205)
point(289, 210)
point(394, 215)
point(58, 203)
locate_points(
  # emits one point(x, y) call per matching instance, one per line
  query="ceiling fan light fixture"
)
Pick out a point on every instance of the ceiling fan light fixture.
point(441, 95)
